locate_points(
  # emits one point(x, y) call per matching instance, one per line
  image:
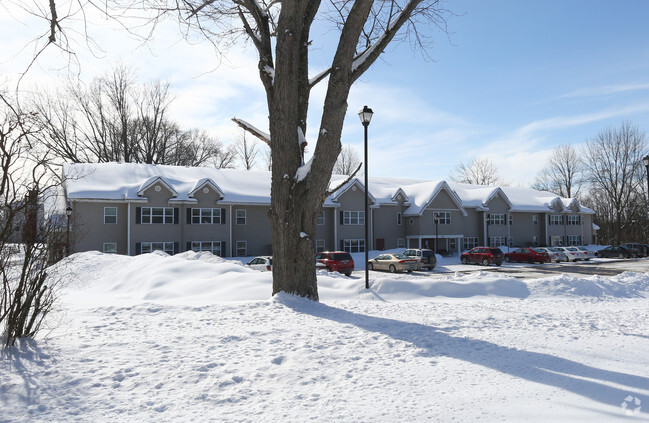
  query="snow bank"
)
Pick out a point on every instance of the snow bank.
point(191, 278)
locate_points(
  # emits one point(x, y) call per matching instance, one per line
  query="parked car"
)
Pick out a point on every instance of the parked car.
point(393, 263)
point(261, 263)
point(336, 261)
point(642, 249)
point(616, 251)
point(528, 255)
point(556, 256)
point(588, 254)
point(425, 258)
point(483, 255)
point(572, 253)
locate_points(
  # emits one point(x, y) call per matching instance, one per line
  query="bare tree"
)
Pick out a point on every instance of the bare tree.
point(563, 173)
point(479, 171)
point(614, 168)
point(246, 151)
point(347, 162)
point(27, 236)
point(281, 34)
point(118, 119)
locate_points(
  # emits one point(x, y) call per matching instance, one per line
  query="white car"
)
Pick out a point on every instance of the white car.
point(555, 255)
point(261, 263)
point(587, 253)
point(572, 252)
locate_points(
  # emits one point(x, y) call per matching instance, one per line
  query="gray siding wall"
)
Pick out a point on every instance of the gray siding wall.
point(326, 231)
point(498, 206)
point(256, 232)
point(524, 229)
point(89, 232)
point(351, 200)
point(385, 225)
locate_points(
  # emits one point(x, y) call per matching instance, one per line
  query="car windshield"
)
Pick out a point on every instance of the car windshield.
point(400, 256)
point(341, 256)
point(556, 250)
point(582, 248)
point(538, 250)
point(495, 251)
point(572, 249)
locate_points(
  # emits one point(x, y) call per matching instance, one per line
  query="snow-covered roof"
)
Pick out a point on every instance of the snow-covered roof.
point(128, 181)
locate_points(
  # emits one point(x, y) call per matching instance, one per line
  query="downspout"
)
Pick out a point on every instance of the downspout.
point(128, 229)
point(231, 223)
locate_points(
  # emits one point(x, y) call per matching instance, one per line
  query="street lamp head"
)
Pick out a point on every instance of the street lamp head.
point(645, 160)
point(366, 115)
point(68, 211)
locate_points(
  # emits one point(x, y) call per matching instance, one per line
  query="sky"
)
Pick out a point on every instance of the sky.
point(509, 82)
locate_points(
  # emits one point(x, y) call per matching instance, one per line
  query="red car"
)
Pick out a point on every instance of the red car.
point(336, 261)
point(484, 255)
point(528, 255)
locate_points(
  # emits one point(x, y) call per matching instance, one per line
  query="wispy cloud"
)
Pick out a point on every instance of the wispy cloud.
point(605, 90)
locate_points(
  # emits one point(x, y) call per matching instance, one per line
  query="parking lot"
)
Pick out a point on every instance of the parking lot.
point(603, 267)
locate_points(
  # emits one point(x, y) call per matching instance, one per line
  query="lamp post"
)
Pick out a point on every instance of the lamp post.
point(436, 221)
point(487, 217)
point(68, 213)
point(366, 116)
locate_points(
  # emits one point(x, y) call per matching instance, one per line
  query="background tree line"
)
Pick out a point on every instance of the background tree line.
point(606, 174)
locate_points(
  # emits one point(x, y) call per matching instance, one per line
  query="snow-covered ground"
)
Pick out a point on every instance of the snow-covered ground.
point(194, 337)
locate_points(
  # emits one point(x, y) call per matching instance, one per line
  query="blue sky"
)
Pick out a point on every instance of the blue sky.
point(513, 80)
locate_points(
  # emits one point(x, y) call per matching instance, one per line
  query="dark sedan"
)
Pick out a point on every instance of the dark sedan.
point(616, 251)
point(528, 255)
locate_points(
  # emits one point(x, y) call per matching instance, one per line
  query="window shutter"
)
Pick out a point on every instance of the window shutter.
point(176, 216)
point(342, 244)
point(223, 252)
point(138, 247)
point(222, 220)
point(138, 216)
point(176, 245)
point(342, 217)
point(189, 217)
point(189, 246)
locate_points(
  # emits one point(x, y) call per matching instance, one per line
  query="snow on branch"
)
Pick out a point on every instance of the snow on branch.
point(328, 193)
point(254, 131)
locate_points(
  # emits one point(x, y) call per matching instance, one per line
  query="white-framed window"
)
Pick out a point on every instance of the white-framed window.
point(556, 219)
point(213, 247)
point(319, 245)
point(497, 219)
point(110, 248)
point(497, 241)
point(242, 248)
point(574, 239)
point(401, 243)
point(354, 245)
point(353, 217)
point(535, 219)
point(399, 218)
point(163, 215)
point(202, 216)
point(110, 215)
point(241, 216)
point(574, 219)
point(556, 240)
point(443, 218)
point(321, 218)
point(149, 247)
point(469, 242)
